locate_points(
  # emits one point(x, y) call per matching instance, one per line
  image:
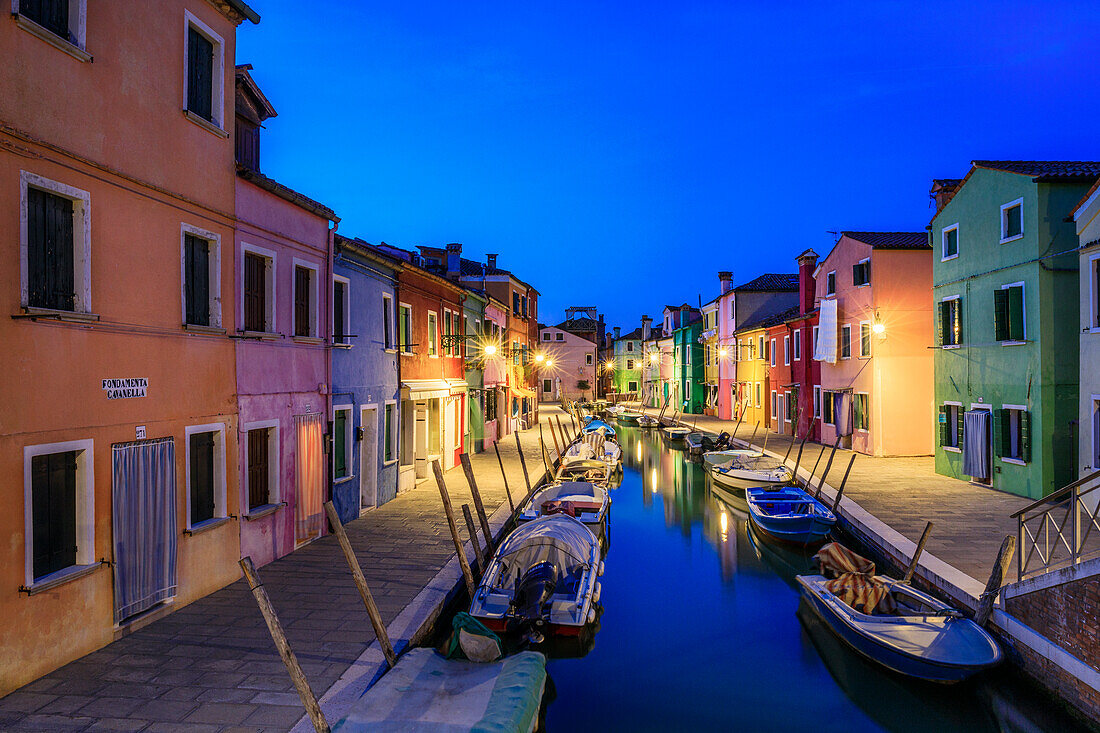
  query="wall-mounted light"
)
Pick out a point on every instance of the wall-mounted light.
point(878, 328)
point(490, 349)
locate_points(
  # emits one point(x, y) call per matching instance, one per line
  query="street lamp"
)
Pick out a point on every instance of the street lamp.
point(490, 349)
point(878, 328)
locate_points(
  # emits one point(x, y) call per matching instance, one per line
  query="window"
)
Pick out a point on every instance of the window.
point(792, 404)
point(559, 336)
point(58, 494)
point(830, 283)
point(305, 301)
point(63, 19)
point(759, 393)
point(786, 350)
point(775, 406)
point(204, 72)
point(630, 346)
point(762, 351)
point(859, 407)
point(456, 329)
point(341, 442)
point(861, 273)
point(389, 434)
point(261, 460)
point(1094, 278)
point(56, 272)
point(246, 149)
point(846, 341)
point(951, 426)
point(515, 303)
point(523, 300)
point(813, 337)
point(201, 262)
point(629, 363)
point(205, 470)
point(950, 241)
point(547, 386)
point(1008, 313)
point(433, 334)
point(951, 329)
point(865, 339)
point(490, 405)
point(797, 344)
point(546, 336)
point(631, 386)
point(1013, 433)
point(771, 352)
point(817, 402)
point(828, 408)
point(588, 359)
point(340, 310)
point(404, 329)
point(1012, 221)
point(258, 271)
point(448, 344)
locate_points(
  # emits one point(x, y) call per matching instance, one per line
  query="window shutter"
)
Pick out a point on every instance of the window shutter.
point(956, 306)
point(943, 425)
point(960, 425)
point(1025, 436)
point(255, 275)
point(200, 74)
point(50, 251)
point(301, 301)
point(53, 499)
point(338, 317)
point(257, 468)
point(1001, 438)
point(944, 324)
point(196, 289)
point(202, 477)
point(1000, 315)
point(1016, 313)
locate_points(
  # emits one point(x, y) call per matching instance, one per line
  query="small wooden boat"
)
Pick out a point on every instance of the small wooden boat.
point(743, 473)
point(543, 579)
point(595, 445)
point(676, 432)
point(722, 457)
point(628, 417)
point(789, 513)
point(451, 694)
point(695, 443)
point(595, 424)
point(893, 624)
point(588, 502)
point(647, 422)
point(592, 470)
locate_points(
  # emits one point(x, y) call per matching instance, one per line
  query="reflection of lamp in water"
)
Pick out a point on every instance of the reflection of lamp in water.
point(653, 479)
point(724, 521)
point(639, 450)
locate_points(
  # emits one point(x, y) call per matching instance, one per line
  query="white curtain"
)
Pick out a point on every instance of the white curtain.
point(976, 443)
point(311, 476)
point(826, 332)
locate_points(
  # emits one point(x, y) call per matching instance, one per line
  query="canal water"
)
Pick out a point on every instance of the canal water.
point(702, 630)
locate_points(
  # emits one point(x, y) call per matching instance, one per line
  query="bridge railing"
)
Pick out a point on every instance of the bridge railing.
point(1059, 530)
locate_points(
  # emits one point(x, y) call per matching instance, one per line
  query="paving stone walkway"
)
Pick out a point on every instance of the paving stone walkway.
point(211, 666)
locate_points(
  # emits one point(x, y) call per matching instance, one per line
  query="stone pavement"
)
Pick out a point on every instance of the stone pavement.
point(211, 666)
point(970, 521)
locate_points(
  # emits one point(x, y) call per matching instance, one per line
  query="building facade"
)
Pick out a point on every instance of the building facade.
point(1006, 298)
point(571, 372)
point(711, 359)
point(473, 323)
point(627, 364)
point(687, 354)
point(1086, 218)
point(494, 372)
point(805, 392)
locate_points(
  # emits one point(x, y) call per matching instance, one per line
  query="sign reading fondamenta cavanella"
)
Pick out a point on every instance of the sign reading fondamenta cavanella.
point(121, 389)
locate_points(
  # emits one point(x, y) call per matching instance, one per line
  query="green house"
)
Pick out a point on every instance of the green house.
point(473, 323)
point(1005, 293)
point(689, 367)
point(627, 354)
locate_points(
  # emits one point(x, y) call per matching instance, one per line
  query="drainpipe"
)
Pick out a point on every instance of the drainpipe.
point(329, 271)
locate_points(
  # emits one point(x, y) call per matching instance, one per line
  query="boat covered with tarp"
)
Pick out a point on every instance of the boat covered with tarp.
point(588, 502)
point(789, 513)
point(595, 445)
point(894, 624)
point(544, 578)
point(594, 424)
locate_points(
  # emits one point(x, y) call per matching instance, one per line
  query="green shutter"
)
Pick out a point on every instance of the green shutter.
point(1002, 441)
point(1025, 436)
point(960, 425)
point(941, 336)
point(957, 306)
point(1016, 313)
point(943, 425)
point(1000, 315)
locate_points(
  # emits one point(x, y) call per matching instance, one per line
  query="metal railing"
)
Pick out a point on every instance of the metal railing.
point(1057, 530)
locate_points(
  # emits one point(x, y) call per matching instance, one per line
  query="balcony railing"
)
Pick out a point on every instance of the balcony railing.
point(1059, 530)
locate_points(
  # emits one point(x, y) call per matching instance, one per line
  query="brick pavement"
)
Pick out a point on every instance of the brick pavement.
point(211, 666)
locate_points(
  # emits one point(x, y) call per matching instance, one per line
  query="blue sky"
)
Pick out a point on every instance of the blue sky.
point(621, 154)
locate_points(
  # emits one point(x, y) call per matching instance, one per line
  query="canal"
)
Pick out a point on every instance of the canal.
point(702, 630)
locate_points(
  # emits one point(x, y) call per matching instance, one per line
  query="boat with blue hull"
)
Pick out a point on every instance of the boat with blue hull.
point(789, 513)
point(595, 424)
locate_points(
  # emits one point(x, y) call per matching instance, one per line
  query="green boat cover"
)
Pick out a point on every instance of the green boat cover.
point(427, 692)
point(471, 639)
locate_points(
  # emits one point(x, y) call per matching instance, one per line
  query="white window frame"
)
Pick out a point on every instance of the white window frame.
point(1004, 459)
point(870, 333)
point(347, 309)
point(944, 257)
point(954, 448)
point(85, 508)
point(798, 344)
point(814, 333)
point(854, 428)
point(771, 353)
point(829, 392)
point(82, 239)
point(217, 74)
point(214, 267)
point(775, 413)
point(588, 359)
point(394, 430)
point(545, 335)
point(1023, 310)
point(760, 346)
point(559, 337)
point(270, 286)
point(787, 350)
point(433, 343)
point(1004, 208)
point(274, 491)
point(221, 506)
point(397, 336)
point(448, 327)
point(78, 26)
point(349, 439)
point(867, 261)
point(1094, 286)
point(840, 346)
point(759, 394)
point(314, 311)
point(830, 293)
point(1095, 431)
point(389, 315)
point(951, 346)
point(817, 401)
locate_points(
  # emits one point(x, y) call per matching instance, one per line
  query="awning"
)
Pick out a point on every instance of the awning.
point(457, 386)
point(522, 392)
point(426, 389)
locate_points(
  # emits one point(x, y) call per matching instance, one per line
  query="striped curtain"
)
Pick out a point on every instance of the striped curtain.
point(144, 514)
point(310, 476)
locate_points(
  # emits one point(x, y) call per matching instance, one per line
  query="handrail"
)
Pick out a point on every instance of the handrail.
point(1057, 495)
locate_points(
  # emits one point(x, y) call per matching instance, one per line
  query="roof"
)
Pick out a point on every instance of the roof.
point(891, 240)
point(1046, 169)
point(368, 250)
point(635, 335)
point(771, 281)
point(1085, 199)
point(259, 106)
point(579, 324)
point(771, 320)
point(236, 10)
point(287, 194)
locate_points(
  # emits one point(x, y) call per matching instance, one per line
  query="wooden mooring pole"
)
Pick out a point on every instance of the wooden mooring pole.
point(996, 578)
point(463, 562)
point(843, 483)
point(523, 464)
point(817, 492)
point(557, 446)
point(478, 505)
point(297, 676)
point(472, 529)
point(817, 463)
point(565, 436)
point(917, 553)
point(753, 436)
point(380, 631)
point(546, 458)
point(794, 434)
point(503, 475)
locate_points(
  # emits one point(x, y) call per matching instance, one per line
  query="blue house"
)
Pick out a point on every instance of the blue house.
point(365, 384)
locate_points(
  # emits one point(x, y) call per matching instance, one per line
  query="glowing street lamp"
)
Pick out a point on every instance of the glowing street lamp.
point(490, 349)
point(878, 328)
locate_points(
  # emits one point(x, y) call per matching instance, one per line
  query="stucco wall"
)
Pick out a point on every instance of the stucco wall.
point(1088, 227)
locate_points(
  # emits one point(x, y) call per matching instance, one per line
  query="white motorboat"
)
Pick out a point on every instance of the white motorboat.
point(722, 457)
point(742, 473)
point(596, 445)
point(542, 579)
point(593, 470)
point(588, 502)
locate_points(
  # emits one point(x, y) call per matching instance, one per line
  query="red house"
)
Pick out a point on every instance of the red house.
point(805, 373)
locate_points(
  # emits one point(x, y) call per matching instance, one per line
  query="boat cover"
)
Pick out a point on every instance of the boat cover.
point(558, 531)
point(426, 692)
point(853, 579)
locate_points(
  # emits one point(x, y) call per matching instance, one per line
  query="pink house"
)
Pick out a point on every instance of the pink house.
point(874, 330)
point(727, 366)
point(283, 255)
point(495, 372)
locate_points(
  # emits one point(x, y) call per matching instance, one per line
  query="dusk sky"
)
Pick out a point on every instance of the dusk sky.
point(621, 154)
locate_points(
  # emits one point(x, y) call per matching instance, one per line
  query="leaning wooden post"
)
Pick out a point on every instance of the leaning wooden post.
point(545, 458)
point(794, 434)
point(523, 464)
point(553, 435)
point(572, 421)
point(478, 505)
point(297, 676)
point(472, 529)
point(993, 586)
point(817, 463)
point(380, 631)
point(449, 511)
point(843, 483)
point(917, 553)
point(753, 436)
point(503, 475)
point(817, 493)
point(764, 448)
point(566, 438)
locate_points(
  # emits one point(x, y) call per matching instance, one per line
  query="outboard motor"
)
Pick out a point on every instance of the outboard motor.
point(722, 442)
point(533, 593)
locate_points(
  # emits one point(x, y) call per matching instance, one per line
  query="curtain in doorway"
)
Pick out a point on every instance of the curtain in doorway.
point(842, 412)
point(310, 476)
point(976, 443)
point(144, 514)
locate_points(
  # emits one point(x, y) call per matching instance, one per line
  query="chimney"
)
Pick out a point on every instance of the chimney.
point(618, 330)
point(726, 280)
point(807, 263)
point(454, 257)
point(943, 189)
point(491, 262)
point(685, 315)
point(646, 320)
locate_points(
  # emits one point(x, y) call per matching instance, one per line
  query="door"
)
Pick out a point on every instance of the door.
point(978, 444)
point(143, 510)
point(368, 458)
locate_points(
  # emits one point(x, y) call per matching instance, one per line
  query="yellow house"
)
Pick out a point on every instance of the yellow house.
point(751, 352)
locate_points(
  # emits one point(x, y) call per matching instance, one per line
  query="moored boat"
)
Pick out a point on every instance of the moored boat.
point(591, 470)
point(749, 471)
point(595, 424)
point(722, 457)
point(647, 421)
point(588, 502)
point(595, 445)
point(789, 513)
point(628, 417)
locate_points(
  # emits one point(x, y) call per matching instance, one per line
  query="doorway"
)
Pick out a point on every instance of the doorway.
point(978, 444)
point(368, 458)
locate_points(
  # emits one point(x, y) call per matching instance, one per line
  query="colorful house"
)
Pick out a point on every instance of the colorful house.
point(753, 383)
point(688, 360)
point(651, 364)
point(283, 248)
point(782, 397)
point(118, 437)
point(1086, 217)
point(473, 320)
point(365, 384)
point(627, 359)
point(804, 395)
point(711, 358)
point(874, 330)
point(494, 373)
point(1006, 294)
point(571, 365)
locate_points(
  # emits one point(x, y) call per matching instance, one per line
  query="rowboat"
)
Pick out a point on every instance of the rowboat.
point(592, 470)
point(722, 457)
point(676, 432)
point(743, 473)
point(543, 579)
point(695, 443)
point(628, 417)
point(588, 502)
point(595, 445)
point(789, 513)
point(595, 424)
point(894, 625)
point(646, 421)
